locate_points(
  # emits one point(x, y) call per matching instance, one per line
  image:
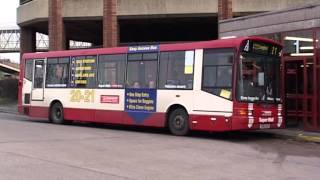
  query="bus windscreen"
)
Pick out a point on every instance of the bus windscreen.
point(259, 73)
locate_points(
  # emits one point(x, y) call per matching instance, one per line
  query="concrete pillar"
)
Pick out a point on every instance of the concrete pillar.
point(110, 23)
point(27, 40)
point(224, 9)
point(57, 38)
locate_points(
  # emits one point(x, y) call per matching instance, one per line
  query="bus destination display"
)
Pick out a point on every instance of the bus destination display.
point(262, 48)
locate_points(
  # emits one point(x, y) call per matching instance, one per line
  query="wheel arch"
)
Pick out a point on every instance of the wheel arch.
point(51, 104)
point(170, 109)
point(55, 101)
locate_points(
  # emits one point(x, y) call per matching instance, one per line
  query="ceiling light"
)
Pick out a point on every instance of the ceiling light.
point(298, 39)
point(301, 54)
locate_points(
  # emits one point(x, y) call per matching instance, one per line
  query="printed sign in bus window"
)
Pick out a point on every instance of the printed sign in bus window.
point(83, 71)
point(188, 65)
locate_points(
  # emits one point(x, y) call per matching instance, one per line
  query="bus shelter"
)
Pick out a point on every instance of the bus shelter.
point(298, 29)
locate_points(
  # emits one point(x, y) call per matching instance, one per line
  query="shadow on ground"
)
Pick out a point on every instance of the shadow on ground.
point(236, 136)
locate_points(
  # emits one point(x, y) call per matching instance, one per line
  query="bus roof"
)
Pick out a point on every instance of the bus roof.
point(223, 43)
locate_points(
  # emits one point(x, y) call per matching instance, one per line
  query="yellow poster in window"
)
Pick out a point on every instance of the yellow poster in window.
point(225, 93)
point(188, 62)
point(188, 70)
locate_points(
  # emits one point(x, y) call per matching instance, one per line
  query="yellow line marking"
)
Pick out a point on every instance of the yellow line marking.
point(310, 138)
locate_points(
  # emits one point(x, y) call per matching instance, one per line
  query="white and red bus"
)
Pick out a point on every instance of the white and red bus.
point(221, 85)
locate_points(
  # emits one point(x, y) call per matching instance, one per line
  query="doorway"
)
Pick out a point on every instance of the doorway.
point(298, 92)
point(38, 80)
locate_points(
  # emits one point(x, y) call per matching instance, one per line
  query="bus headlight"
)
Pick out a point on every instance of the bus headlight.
point(279, 121)
point(250, 122)
point(279, 115)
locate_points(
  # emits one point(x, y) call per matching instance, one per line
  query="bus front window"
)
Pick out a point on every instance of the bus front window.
point(259, 78)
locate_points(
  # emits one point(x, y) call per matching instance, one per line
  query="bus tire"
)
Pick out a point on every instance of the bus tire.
point(56, 113)
point(179, 122)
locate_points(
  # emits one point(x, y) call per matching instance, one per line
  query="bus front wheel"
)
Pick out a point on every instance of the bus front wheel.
point(179, 122)
point(56, 113)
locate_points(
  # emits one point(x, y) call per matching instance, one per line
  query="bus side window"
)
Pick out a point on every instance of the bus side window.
point(176, 70)
point(111, 71)
point(38, 74)
point(142, 70)
point(28, 72)
point(217, 72)
point(57, 72)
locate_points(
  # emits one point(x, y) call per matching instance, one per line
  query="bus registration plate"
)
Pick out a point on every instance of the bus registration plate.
point(264, 126)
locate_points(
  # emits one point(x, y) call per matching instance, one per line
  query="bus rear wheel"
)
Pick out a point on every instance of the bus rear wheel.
point(179, 122)
point(56, 113)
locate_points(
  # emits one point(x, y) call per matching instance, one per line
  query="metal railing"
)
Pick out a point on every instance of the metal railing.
point(10, 42)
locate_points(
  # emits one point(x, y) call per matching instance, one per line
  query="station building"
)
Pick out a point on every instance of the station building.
point(108, 23)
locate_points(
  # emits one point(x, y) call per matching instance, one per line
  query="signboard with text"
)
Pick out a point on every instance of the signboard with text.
point(83, 71)
point(142, 49)
point(140, 103)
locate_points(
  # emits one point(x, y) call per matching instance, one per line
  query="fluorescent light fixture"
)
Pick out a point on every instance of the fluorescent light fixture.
point(302, 66)
point(306, 48)
point(228, 37)
point(301, 54)
point(298, 39)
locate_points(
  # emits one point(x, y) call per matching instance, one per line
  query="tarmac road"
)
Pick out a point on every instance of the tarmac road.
point(36, 150)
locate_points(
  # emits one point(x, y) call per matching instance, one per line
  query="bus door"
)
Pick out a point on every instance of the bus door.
point(38, 80)
point(298, 92)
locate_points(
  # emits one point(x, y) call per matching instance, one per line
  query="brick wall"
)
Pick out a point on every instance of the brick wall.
point(224, 9)
point(56, 26)
point(110, 23)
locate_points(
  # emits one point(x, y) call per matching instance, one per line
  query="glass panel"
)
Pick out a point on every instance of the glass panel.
point(309, 105)
point(217, 72)
point(300, 78)
point(28, 70)
point(209, 76)
point(310, 78)
point(135, 57)
point(142, 74)
point(176, 70)
point(298, 43)
point(57, 72)
point(291, 86)
point(217, 57)
point(38, 74)
point(224, 76)
point(291, 104)
point(52, 61)
point(150, 56)
point(111, 71)
point(300, 104)
point(258, 80)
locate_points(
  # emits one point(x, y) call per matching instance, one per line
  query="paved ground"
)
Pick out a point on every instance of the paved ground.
point(36, 150)
point(288, 133)
point(9, 107)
